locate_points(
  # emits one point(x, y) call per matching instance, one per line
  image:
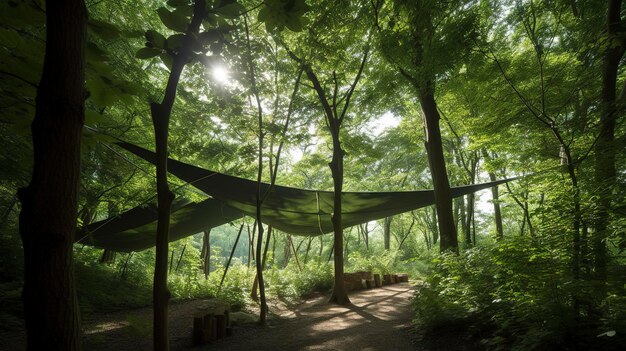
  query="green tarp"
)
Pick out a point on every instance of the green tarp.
point(135, 230)
point(292, 210)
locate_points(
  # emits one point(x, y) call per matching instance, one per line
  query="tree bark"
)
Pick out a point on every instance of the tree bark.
point(604, 150)
point(387, 232)
point(206, 253)
point(441, 186)
point(495, 195)
point(339, 295)
point(49, 203)
point(468, 220)
point(254, 295)
point(160, 113)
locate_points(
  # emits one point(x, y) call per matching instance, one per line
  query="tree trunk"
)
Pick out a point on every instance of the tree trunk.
point(437, 164)
point(468, 220)
point(286, 252)
point(49, 203)
point(108, 257)
point(496, 208)
point(434, 229)
point(319, 257)
point(387, 232)
point(254, 295)
point(339, 294)
point(160, 119)
point(206, 253)
point(308, 248)
point(605, 150)
point(463, 217)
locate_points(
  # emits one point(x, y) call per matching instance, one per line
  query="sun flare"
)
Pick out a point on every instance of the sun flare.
point(220, 74)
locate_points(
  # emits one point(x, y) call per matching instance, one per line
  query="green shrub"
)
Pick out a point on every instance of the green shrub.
point(518, 294)
point(290, 283)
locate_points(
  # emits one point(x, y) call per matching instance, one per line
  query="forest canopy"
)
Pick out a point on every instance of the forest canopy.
point(341, 97)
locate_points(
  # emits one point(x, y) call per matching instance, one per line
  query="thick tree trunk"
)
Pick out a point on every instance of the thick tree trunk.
point(604, 149)
point(49, 203)
point(441, 185)
point(339, 295)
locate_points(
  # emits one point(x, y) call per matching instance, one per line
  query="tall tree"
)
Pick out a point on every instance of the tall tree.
point(334, 92)
point(605, 150)
point(425, 39)
point(334, 117)
point(49, 202)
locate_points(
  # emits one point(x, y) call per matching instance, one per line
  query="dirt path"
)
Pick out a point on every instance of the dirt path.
point(378, 319)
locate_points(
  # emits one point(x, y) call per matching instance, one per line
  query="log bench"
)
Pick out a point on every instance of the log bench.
point(211, 322)
point(359, 280)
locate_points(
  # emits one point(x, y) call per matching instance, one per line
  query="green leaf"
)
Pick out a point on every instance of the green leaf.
point(263, 15)
point(184, 11)
point(294, 24)
point(9, 38)
point(167, 60)
point(104, 30)
point(175, 41)
point(174, 21)
point(178, 3)
point(210, 20)
point(94, 53)
point(100, 92)
point(156, 38)
point(210, 36)
point(231, 10)
point(93, 117)
point(146, 53)
point(210, 61)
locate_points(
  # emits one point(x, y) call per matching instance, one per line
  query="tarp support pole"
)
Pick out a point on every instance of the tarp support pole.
point(295, 253)
point(232, 252)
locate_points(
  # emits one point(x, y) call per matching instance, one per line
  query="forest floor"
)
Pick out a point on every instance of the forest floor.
point(377, 319)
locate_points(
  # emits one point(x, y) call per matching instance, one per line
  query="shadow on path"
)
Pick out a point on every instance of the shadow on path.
point(378, 319)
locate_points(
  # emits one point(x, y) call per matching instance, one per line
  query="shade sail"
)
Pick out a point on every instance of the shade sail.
point(300, 211)
point(135, 229)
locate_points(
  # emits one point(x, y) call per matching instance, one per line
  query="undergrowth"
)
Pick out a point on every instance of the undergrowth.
point(518, 295)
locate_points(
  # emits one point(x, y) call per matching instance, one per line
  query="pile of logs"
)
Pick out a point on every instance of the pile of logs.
point(367, 280)
point(211, 322)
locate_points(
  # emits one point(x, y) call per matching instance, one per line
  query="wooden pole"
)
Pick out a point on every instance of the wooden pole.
point(232, 252)
point(295, 253)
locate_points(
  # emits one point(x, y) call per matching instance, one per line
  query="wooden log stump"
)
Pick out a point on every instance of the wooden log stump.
point(369, 283)
point(211, 331)
point(364, 275)
point(220, 326)
point(394, 279)
point(198, 330)
point(211, 322)
point(208, 328)
point(387, 279)
point(377, 280)
point(403, 277)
